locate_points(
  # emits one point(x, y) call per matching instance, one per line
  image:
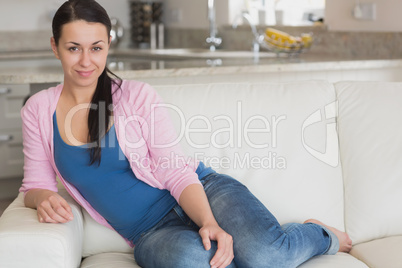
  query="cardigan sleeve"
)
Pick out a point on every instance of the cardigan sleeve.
point(169, 165)
point(38, 171)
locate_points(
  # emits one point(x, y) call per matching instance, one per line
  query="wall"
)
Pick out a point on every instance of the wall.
point(338, 16)
point(28, 15)
point(194, 13)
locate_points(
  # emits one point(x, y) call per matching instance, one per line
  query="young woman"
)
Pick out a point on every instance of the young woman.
point(88, 130)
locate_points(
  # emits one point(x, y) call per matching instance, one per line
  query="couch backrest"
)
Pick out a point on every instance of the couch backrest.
point(370, 134)
point(278, 139)
point(292, 182)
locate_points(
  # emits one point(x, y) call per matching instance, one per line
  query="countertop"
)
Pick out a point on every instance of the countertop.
point(41, 66)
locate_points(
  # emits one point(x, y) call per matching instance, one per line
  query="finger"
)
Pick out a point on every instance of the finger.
point(42, 212)
point(226, 263)
point(218, 258)
point(44, 217)
point(61, 212)
point(230, 256)
point(57, 214)
point(40, 218)
point(65, 211)
point(223, 255)
point(51, 215)
point(61, 207)
point(205, 239)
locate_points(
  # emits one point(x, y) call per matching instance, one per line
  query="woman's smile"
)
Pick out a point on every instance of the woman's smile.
point(85, 73)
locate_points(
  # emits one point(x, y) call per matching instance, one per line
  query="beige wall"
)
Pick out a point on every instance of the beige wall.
point(29, 15)
point(33, 15)
point(194, 13)
point(338, 16)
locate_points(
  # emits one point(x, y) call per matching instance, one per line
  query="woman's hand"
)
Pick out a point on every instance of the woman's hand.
point(194, 202)
point(224, 254)
point(51, 207)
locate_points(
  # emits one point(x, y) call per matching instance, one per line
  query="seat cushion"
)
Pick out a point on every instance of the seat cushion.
point(100, 239)
point(370, 135)
point(124, 260)
point(334, 261)
point(380, 253)
point(108, 260)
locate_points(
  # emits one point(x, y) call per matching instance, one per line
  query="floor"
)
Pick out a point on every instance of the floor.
point(4, 204)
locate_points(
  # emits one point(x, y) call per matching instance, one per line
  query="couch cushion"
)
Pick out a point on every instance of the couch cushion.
point(25, 242)
point(334, 261)
point(124, 260)
point(100, 239)
point(380, 253)
point(109, 260)
point(278, 139)
point(370, 133)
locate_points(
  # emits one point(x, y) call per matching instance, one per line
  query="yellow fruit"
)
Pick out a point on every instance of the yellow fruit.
point(282, 41)
point(307, 40)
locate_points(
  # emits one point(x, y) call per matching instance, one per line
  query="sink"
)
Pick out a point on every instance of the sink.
point(190, 53)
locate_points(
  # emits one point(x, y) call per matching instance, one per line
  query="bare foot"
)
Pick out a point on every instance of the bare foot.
point(345, 243)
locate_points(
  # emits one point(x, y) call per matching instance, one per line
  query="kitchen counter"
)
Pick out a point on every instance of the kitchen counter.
point(42, 67)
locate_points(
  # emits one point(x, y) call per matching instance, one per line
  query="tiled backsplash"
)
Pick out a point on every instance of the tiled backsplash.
point(345, 44)
point(22, 41)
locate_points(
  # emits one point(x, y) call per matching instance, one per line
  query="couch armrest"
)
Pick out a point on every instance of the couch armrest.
point(25, 242)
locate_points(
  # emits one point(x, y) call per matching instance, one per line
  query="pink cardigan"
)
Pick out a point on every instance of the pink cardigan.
point(141, 129)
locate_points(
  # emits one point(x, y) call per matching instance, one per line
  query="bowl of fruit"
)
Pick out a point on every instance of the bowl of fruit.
point(281, 42)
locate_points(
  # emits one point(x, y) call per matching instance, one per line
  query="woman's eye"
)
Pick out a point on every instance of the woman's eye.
point(97, 49)
point(73, 49)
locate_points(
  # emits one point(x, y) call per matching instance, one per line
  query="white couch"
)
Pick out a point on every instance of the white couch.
point(327, 151)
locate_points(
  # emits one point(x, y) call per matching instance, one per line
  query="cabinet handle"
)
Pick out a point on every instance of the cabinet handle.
point(5, 90)
point(5, 138)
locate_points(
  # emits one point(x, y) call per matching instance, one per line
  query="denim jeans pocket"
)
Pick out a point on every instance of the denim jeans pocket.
point(162, 222)
point(206, 179)
point(184, 217)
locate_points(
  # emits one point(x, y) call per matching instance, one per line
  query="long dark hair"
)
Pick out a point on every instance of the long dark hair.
point(98, 119)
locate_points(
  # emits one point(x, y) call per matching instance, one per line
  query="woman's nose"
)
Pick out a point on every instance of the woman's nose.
point(85, 59)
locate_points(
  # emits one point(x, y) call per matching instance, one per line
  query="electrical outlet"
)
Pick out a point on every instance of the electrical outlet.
point(365, 11)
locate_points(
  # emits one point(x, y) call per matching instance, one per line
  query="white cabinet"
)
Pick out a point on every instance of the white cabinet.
point(11, 155)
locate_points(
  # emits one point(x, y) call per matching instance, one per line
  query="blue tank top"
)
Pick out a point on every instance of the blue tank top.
point(129, 205)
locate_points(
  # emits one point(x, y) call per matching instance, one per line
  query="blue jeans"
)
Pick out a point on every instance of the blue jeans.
point(258, 238)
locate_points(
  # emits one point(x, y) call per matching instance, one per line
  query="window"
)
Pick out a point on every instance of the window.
point(286, 12)
point(299, 12)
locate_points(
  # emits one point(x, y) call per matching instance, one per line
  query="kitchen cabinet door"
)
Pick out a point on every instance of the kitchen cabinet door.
point(11, 101)
point(11, 155)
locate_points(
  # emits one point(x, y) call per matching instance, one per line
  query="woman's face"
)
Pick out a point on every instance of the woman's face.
point(82, 49)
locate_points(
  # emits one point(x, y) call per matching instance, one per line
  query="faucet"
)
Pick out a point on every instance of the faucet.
point(258, 38)
point(212, 39)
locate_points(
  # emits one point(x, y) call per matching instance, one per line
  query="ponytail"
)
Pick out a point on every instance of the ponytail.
point(100, 113)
